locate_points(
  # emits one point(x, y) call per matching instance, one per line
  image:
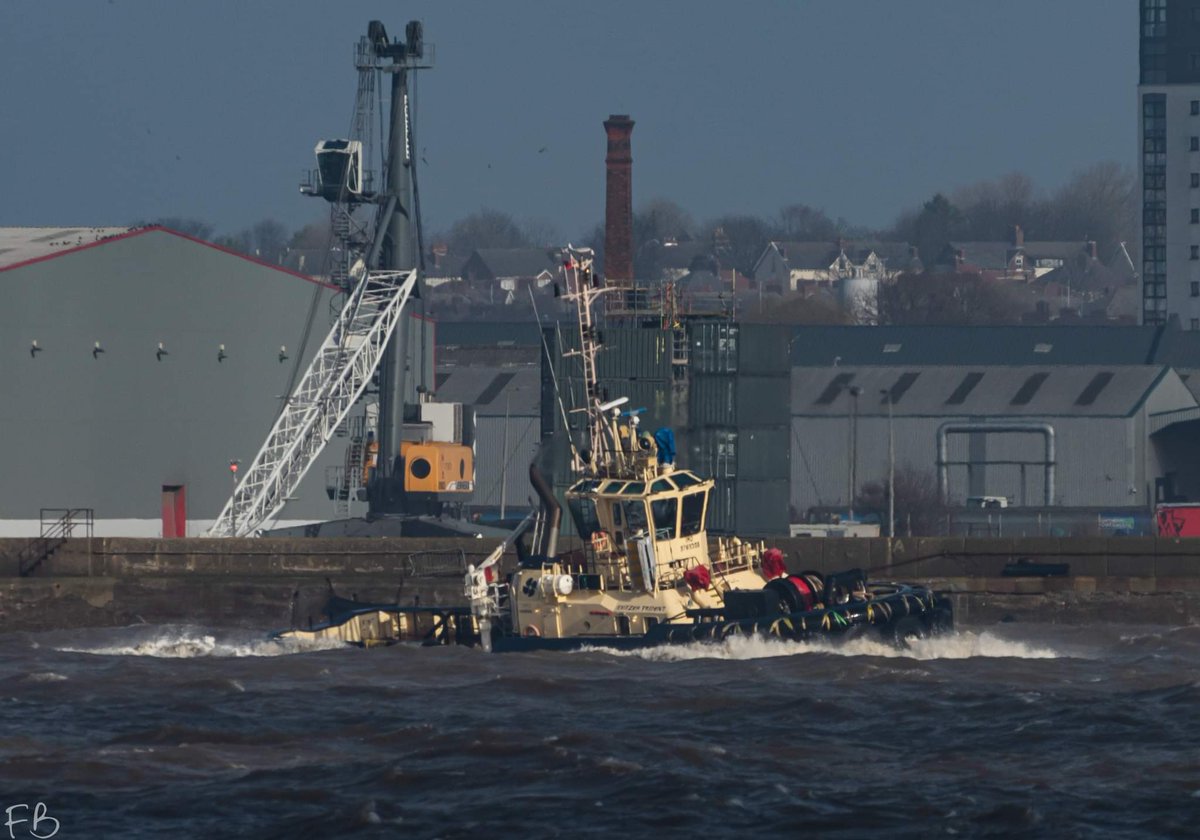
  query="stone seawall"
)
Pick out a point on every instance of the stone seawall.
point(269, 583)
point(253, 583)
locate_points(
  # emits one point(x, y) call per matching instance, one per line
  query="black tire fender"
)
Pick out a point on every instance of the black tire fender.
point(904, 630)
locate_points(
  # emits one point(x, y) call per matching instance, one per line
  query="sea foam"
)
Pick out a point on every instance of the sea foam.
point(959, 645)
point(185, 644)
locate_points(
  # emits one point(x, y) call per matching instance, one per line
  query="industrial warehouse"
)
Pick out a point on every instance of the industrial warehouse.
point(144, 366)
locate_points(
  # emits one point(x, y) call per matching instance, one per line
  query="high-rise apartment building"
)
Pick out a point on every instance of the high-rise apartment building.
point(1169, 152)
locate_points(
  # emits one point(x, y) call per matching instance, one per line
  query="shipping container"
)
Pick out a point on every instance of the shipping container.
point(763, 350)
point(713, 452)
point(722, 513)
point(761, 508)
point(725, 347)
point(1178, 520)
point(624, 353)
point(764, 453)
point(712, 401)
point(742, 401)
point(713, 346)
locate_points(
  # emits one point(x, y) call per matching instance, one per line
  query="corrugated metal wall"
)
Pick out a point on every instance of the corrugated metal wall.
point(1094, 455)
point(109, 432)
point(499, 466)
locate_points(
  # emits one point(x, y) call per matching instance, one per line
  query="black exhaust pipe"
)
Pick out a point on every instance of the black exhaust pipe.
point(553, 511)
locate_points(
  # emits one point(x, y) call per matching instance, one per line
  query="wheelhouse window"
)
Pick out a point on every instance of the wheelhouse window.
point(635, 516)
point(693, 514)
point(665, 513)
point(583, 512)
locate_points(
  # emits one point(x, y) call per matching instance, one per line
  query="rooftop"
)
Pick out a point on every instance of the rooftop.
point(25, 244)
point(982, 391)
point(492, 390)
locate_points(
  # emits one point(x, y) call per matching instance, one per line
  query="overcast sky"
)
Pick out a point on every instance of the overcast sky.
point(117, 110)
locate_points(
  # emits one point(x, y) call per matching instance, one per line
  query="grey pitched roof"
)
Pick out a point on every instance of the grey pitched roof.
point(897, 256)
point(988, 256)
point(702, 281)
point(451, 265)
point(492, 390)
point(1054, 250)
point(983, 391)
point(992, 345)
point(514, 262)
point(488, 333)
point(808, 255)
point(822, 254)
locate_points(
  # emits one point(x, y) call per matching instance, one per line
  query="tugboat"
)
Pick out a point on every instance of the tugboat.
point(648, 573)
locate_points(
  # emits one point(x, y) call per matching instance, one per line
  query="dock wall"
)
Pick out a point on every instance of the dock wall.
point(271, 583)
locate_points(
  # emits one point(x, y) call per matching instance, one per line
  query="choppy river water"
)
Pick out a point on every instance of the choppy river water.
point(1019, 730)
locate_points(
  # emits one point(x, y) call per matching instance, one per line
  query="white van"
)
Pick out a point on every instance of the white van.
point(987, 501)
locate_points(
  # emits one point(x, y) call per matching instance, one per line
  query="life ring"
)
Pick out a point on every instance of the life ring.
point(532, 630)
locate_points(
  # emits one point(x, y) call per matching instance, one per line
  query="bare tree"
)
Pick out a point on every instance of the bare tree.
point(485, 229)
point(799, 222)
point(1097, 203)
point(791, 309)
point(991, 208)
point(920, 510)
point(947, 299)
point(314, 236)
point(740, 240)
point(661, 219)
point(269, 239)
point(542, 233)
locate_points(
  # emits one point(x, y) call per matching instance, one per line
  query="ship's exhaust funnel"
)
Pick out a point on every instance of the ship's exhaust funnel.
point(547, 545)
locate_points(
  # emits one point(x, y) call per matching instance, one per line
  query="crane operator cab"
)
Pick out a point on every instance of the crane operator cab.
point(339, 174)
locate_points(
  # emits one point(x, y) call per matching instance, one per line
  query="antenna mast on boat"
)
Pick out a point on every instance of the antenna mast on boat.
point(603, 453)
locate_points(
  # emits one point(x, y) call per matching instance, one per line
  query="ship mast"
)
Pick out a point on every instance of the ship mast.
point(603, 455)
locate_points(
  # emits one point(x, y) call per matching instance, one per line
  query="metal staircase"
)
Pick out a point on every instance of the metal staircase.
point(58, 526)
point(337, 376)
point(352, 478)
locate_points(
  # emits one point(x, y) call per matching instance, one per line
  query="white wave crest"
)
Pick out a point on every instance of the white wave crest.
point(183, 644)
point(960, 645)
point(44, 676)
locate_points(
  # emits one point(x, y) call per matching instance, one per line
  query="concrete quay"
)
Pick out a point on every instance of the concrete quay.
point(269, 583)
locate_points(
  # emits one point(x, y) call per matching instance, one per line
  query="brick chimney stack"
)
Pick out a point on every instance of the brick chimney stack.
point(1018, 237)
point(618, 209)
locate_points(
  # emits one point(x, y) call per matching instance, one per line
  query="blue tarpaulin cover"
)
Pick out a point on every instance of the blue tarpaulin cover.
point(664, 438)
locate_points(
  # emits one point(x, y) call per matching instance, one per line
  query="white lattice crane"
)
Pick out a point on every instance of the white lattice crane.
point(337, 376)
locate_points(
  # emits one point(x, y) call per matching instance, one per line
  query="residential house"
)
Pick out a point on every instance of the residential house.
point(506, 273)
point(1015, 260)
point(850, 270)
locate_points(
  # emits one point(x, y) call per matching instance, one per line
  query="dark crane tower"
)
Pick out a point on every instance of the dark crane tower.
point(381, 229)
point(398, 232)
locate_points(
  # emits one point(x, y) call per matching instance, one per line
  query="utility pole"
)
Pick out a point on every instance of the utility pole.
point(504, 460)
point(887, 397)
point(855, 391)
